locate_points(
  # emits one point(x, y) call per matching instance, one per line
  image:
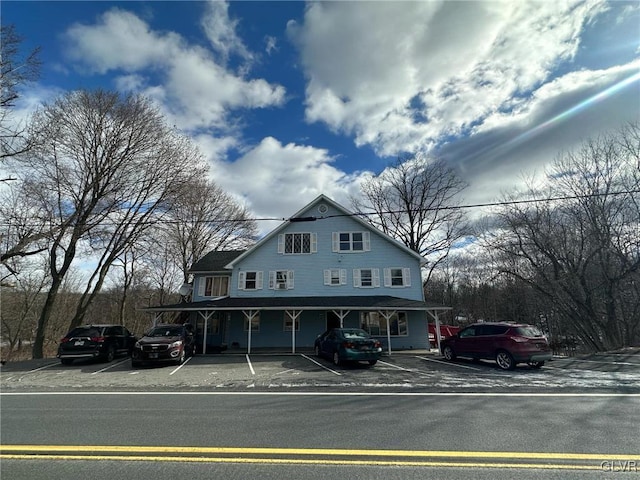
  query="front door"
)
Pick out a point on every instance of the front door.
point(333, 321)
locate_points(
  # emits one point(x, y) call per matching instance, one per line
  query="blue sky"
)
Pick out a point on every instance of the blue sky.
point(288, 100)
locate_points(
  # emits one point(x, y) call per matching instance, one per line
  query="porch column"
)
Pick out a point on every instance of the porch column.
point(293, 315)
point(206, 316)
point(387, 316)
point(437, 332)
point(250, 314)
point(341, 314)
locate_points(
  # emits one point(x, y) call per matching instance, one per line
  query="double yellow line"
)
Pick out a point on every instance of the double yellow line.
point(320, 456)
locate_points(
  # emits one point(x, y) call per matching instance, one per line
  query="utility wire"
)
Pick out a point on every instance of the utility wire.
point(373, 213)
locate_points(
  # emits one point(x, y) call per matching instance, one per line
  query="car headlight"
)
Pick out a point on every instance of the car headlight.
point(138, 346)
point(176, 344)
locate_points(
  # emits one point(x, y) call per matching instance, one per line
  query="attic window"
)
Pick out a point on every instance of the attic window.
point(297, 243)
point(351, 241)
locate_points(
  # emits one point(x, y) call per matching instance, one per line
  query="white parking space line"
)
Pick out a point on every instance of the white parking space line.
point(36, 370)
point(320, 365)
point(396, 366)
point(110, 366)
point(253, 372)
point(42, 368)
point(448, 363)
point(181, 365)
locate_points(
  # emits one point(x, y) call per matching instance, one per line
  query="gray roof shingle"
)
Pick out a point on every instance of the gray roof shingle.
point(215, 261)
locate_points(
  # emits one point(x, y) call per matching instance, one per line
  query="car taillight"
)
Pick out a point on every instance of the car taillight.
point(348, 344)
point(377, 344)
point(97, 339)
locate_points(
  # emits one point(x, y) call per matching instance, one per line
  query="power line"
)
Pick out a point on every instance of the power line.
point(387, 212)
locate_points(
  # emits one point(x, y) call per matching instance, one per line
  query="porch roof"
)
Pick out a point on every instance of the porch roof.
point(373, 303)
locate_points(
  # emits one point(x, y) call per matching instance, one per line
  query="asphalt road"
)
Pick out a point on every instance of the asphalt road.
point(290, 417)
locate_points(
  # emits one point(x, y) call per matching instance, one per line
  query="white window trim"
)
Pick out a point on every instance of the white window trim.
point(255, 324)
point(295, 322)
point(202, 285)
point(273, 275)
point(375, 278)
point(384, 333)
point(406, 277)
point(242, 280)
point(366, 242)
point(342, 275)
point(313, 243)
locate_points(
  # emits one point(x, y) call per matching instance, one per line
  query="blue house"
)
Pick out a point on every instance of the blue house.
point(323, 268)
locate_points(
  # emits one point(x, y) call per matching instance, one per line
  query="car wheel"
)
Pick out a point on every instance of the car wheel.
point(111, 353)
point(536, 365)
point(181, 358)
point(336, 359)
point(505, 360)
point(316, 350)
point(448, 353)
point(373, 362)
point(66, 361)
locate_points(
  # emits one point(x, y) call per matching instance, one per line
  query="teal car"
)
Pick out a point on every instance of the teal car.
point(342, 345)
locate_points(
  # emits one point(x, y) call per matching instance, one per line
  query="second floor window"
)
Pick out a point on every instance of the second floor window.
point(250, 281)
point(217, 286)
point(335, 276)
point(397, 277)
point(366, 277)
point(281, 279)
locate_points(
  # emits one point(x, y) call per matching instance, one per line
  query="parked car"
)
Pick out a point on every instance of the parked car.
point(95, 341)
point(165, 343)
point(348, 345)
point(506, 343)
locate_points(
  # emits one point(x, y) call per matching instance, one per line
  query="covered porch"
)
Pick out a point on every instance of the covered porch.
point(293, 323)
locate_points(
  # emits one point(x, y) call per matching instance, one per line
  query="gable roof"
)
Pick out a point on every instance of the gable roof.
point(344, 212)
point(215, 261)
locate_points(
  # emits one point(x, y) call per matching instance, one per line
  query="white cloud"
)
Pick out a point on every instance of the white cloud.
point(197, 91)
point(221, 32)
point(273, 179)
point(403, 75)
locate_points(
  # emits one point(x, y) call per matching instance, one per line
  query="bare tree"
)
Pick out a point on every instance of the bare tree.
point(205, 217)
point(103, 170)
point(15, 70)
point(414, 201)
point(583, 253)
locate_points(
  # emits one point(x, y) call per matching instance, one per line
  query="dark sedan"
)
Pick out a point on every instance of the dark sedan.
point(165, 343)
point(95, 341)
point(348, 345)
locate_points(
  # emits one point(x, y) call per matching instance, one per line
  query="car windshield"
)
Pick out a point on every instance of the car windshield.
point(529, 331)
point(355, 334)
point(165, 332)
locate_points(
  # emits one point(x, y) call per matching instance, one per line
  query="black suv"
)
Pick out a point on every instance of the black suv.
point(165, 343)
point(95, 341)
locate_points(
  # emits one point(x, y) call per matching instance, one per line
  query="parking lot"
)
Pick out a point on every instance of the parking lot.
point(402, 371)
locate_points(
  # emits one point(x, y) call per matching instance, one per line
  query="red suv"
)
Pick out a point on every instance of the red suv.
point(506, 343)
